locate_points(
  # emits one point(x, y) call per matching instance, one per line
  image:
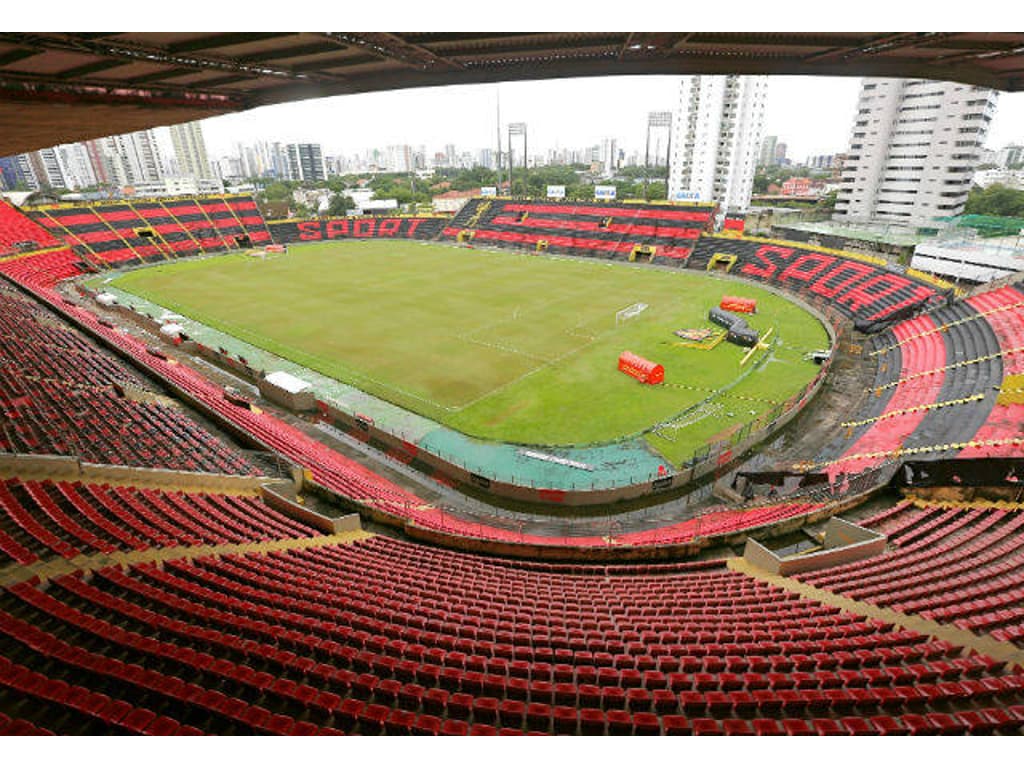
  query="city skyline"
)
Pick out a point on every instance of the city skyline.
point(562, 113)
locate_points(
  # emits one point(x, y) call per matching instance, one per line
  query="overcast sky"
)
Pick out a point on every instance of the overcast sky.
point(812, 114)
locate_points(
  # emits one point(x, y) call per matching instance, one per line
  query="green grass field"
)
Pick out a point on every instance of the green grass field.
point(510, 347)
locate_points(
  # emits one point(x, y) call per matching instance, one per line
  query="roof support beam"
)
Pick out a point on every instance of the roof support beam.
point(222, 41)
point(880, 45)
point(158, 56)
point(388, 45)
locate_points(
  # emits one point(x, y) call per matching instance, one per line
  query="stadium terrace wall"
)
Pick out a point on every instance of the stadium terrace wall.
point(861, 288)
point(313, 230)
point(663, 232)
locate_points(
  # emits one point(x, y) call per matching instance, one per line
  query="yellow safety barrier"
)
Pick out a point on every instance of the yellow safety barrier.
point(951, 366)
point(900, 451)
point(947, 326)
point(914, 409)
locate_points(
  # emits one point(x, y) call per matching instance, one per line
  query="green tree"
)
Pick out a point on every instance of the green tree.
point(277, 190)
point(996, 200)
point(340, 205)
point(828, 202)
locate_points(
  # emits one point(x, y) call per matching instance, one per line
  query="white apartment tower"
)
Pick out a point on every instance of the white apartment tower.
point(133, 158)
point(190, 150)
point(716, 138)
point(914, 147)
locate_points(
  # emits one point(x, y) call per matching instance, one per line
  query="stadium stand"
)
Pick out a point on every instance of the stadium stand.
point(938, 387)
point(357, 227)
point(67, 519)
point(129, 610)
point(18, 233)
point(862, 288)
point(137, 231)
point(305, 640)
point(313, 641)
point(624, 231)
point(62, 395)
point(1003, 312)
point(951, 563)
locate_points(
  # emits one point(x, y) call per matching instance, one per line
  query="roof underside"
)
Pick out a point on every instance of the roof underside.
point(63, 87)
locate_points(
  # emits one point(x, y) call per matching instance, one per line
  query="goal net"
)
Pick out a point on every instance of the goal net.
point(629, 312)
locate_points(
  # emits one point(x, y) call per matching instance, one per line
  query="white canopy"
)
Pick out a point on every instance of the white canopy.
point(287, 382)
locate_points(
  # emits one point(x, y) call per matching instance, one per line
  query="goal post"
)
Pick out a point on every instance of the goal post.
point(629, 312)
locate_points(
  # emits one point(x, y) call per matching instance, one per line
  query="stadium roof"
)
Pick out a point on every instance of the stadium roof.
point(59, 87)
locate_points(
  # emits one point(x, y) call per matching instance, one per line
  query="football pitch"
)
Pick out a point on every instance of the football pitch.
point(504, 346)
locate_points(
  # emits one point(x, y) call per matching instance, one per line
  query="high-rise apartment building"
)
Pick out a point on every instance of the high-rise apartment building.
point(47, 167)
point(76, 165)
point(914, 147)
point(132, 158)
point(16, 171)
point(1011, 156)
point(306, 162)
point(716, 138)
point(190, 150)
point(609, 157)
point(768, 150)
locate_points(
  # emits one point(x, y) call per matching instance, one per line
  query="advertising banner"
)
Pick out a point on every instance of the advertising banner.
point(488, 191)
point(556, 191)
point(604, 192)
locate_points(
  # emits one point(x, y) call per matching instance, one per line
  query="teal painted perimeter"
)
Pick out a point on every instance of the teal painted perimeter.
point(611, 466)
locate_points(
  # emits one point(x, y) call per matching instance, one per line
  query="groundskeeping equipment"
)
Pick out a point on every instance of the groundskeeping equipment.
point(640, 368)
point(738, 304)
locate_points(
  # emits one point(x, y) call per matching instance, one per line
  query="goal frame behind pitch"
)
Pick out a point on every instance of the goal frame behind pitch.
point(629, 312)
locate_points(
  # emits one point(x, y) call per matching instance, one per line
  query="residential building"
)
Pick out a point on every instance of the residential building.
point(914, 147)
point(190, 150)
point(16, 170)
point(1011, 156)
point(77, 165)
point(48, 169)
point(1005, 176)
point(609, 157)
point(306, 163)
point(716, 138)
point(399, 158)
point(132, 158)
point(171, 186)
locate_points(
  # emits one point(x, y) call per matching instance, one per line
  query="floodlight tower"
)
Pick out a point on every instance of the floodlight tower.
point(517, 129)
point(655, 120)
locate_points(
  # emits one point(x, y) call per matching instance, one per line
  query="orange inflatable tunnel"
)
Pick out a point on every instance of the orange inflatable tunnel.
point(641, 369)
point(738, 304)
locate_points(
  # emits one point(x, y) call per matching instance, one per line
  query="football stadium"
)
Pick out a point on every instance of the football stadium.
point(536, 466)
